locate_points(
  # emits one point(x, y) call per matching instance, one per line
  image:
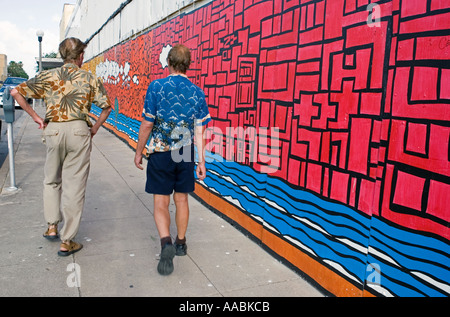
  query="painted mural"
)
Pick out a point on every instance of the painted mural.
point(330, 134)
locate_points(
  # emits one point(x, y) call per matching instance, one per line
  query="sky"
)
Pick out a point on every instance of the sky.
point(19, 21)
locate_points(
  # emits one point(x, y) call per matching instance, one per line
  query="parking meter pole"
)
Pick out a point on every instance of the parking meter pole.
point(12, 173)
point(8, 110)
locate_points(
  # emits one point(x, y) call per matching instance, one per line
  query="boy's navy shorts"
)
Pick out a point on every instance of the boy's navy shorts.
point(171, 171)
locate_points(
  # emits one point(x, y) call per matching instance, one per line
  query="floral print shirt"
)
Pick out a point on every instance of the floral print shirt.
point(176, 106)
point(68, 92)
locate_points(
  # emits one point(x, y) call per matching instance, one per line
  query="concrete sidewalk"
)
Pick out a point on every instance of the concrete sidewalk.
point(121, 243)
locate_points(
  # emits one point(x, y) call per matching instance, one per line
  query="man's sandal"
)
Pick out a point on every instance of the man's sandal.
point(51, 234)
point(71, 247)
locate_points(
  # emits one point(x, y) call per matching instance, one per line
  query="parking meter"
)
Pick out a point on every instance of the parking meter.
point(8, 106)
point(9, 112)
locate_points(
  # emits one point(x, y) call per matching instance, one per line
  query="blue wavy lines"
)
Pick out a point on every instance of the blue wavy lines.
point(426, 259)
point(429, 261)
point(432, 248)
point(335, 223)
point(399, 281)
point(411, 264)
point(123, 124)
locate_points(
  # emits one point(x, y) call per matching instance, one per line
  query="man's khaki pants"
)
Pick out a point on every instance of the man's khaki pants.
point(66, 173)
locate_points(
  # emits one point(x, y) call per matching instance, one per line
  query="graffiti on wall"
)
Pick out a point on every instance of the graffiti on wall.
point(330, 133)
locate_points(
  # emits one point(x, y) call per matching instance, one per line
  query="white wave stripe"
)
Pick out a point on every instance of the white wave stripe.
point(382, 255)
point(356, 246)
point(233, 201)
point(312, 224)
point(429, 279)
point(209, 187)
point(380, 289)
point(257, 218)
point(265, 224)
point(246, 189)
point(274, 205)
point(301, 245)
point(215, 173)
point(342, 270)
point(268, 226)
point(227, 178)
point(230, 180)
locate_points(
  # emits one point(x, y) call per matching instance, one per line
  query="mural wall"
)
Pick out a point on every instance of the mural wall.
point(330, 133)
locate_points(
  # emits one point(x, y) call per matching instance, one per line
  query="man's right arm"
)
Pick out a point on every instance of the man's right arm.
point(28, 109)
point(144, 134)
point(201, 144)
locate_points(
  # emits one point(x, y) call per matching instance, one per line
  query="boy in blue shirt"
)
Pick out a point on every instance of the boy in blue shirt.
point(174, 112)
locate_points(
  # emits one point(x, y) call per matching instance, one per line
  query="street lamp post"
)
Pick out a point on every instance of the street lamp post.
point(40, 35)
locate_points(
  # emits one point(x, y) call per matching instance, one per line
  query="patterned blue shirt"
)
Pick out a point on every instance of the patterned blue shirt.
point(176, 106)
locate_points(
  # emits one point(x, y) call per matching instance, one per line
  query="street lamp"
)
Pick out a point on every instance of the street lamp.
point(40, 35)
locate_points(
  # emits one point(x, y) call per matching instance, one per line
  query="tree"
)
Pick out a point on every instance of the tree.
point(50, 55)
point(16, 70)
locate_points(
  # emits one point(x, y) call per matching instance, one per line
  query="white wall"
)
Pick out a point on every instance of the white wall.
point(89, 20)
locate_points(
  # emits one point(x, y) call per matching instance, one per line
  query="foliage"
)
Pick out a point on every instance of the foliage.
point(16, 70)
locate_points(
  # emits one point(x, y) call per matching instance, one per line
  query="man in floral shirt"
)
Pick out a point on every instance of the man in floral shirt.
point(68, 92)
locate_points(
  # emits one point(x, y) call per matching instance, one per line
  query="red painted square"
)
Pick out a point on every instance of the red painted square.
point(439, 200)
point(350, 60)
point(339, 186)
point(409, 191)
point(416, 7)
point(424, 83)
point(314, 178)
point(371, 103)
point(405, 50)
point(275, 77)
point(294, 171)
point(366, 196)
point(417, 138)
point(445, 84)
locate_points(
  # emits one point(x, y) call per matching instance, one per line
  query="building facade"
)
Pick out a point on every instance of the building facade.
point(3, 67)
